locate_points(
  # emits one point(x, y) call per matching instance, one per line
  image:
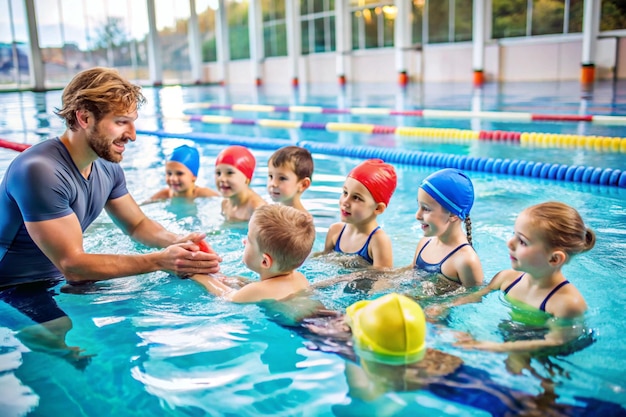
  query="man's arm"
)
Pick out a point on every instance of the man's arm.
point(129, 217)
point(61, 240)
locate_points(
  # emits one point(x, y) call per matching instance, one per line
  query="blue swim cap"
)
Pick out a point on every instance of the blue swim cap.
point(452, 189)
point(187, 156)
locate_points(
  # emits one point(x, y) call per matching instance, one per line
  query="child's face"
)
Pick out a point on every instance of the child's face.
point(356, 202)
point(282, 183)
point(229, 180)
point(252, 256)
point(527, 249)
point(433, 217)
point(179, 178)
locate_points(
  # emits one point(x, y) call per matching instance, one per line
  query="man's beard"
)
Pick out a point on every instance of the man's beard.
point(101, 145)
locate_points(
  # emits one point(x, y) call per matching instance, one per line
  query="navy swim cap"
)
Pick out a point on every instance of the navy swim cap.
point(452, 189)
point(187, 156)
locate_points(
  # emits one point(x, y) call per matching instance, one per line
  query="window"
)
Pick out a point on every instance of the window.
point(238, 32)
point(317, 19)
point(206, 11)
point(372, 23)
point(274, 27)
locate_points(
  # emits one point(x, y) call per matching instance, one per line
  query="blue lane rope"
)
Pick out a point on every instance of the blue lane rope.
point(514, 167)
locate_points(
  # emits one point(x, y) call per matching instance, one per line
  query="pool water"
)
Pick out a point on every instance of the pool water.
point(158, 345)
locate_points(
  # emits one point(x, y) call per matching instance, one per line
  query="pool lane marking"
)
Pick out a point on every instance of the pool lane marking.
point(424, 113)
point(446, 135)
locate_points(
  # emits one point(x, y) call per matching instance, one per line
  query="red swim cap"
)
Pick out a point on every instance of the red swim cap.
point(378, 177)
point(239, 157)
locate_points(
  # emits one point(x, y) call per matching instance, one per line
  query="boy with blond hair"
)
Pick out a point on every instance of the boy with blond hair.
point(280, 238)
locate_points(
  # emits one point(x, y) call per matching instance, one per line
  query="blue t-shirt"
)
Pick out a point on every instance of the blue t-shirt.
point(43, 183)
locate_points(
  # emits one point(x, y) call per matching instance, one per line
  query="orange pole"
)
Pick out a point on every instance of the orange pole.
point(588, 73)
point(479, 78)
point(403, 78)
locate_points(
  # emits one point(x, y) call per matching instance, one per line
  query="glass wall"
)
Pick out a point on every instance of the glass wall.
point(237, 11)
point(172, 21)
point(14, 45)
point(274, 27)
point(450, 21)
point(207, 15)
point(417, 21)
point(372, 23)
point(317, 19)
point(513, 18)
point(78, 34)
point(613, 15)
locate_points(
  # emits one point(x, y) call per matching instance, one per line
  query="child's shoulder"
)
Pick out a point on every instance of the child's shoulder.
point(571, 302)
point(380, 235)
point(160, 195)
point(504, 278)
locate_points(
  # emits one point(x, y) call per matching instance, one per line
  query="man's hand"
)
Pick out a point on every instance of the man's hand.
point(186, 259)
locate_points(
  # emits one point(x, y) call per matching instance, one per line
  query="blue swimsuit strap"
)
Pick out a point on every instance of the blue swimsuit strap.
point(542, 307)
point(419, 255)
point(452, 252)
point(365, 246)
point(367, 242)
point(555, 289)
point(337, 248)
point(507, 289)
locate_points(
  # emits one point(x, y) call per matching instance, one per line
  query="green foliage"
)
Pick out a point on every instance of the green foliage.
point(111, 34)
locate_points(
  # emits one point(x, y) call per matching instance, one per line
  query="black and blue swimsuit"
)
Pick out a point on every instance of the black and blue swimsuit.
point(363, 252)
point(435, 268)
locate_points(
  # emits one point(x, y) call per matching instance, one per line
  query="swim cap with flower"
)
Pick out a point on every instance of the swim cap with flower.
point(378, 177)
point(452, 189)
point(239, 157)
point(390, 329)
point(188, 156)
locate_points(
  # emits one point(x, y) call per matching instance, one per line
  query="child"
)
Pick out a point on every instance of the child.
point(366, 194)
point(234, 168)
point(546, 237)
point(289, 172)
point(279, 240)
point(181, 172)
point(444, 201)
point(384, 342)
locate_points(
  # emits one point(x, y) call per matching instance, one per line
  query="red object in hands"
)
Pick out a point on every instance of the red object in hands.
point(203, 246)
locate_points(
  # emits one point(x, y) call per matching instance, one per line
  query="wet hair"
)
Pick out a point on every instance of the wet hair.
point(468, 229)
point(561, 227)
point(285, 233)
point(297, 158)
point(100, 91)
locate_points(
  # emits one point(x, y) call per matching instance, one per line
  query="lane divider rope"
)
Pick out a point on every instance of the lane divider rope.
point(513, 167)
point(425, 113)
point(604, 144)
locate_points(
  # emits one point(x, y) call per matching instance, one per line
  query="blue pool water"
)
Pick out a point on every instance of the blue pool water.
point(163, 346)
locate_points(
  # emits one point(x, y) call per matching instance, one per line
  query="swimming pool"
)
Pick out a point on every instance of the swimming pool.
point(164, 346)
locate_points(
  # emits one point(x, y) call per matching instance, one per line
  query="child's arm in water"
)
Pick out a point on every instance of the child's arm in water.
point(560, 333)
point(438, 310)
point(250, 293)
point(215, 286)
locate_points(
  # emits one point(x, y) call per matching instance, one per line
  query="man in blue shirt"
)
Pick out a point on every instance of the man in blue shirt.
point(54, 190)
